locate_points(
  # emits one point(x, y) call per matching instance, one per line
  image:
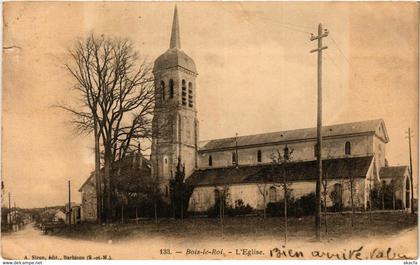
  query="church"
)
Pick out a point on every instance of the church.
point(352, 152)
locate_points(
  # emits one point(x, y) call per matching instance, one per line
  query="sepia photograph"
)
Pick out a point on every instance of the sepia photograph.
point(210, 131)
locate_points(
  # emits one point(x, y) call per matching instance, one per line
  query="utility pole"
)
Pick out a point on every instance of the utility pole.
point(321, 34)
point(69, 205)
point(411, 173)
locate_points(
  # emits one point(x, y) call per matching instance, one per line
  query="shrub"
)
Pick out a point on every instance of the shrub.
point(239, 209)
point(304, 206)
point(146, 208)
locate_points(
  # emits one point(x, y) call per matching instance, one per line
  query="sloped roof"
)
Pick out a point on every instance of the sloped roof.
point(126, 164)
point(174, 56)
point(306, 170)
point(393, 172)
point(370, 126)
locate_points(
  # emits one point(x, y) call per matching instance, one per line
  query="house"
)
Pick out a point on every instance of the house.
point(73, 213)
point(60, 216)
point(129, 173)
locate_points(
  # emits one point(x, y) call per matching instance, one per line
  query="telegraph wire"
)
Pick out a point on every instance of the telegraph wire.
point(339, 49)
point(294, 29)
point(299, 26)
point(333, 61)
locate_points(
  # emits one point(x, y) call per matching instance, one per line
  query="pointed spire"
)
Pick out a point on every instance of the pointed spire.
point(175, 37)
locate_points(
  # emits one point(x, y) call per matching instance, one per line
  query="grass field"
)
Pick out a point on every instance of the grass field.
point(246, 228)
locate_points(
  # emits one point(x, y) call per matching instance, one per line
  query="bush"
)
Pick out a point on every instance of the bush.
point(304, 206)
point(382, 197)
point(239, 209)
point(146, 208)
point(275, 208)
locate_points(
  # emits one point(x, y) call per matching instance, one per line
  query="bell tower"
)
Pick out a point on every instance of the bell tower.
point(175, 124)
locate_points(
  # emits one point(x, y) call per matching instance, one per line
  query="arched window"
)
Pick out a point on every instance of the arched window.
point(162, 87)
point(347, 148)
point(190, 95)
point(171, 88)
point(259, 156)
point(273, 194)
point(233, 158)
point(216, 196)
point(184, 93)
point(210, 161)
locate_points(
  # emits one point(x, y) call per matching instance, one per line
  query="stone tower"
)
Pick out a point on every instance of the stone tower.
point(175, 121)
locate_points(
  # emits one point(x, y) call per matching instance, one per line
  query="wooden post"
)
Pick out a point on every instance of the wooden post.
point(320, 36)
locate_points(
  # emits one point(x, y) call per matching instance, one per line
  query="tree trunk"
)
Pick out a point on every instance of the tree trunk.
point(173, 209)
point(182, 210)
point(265, 205)
point(137, 217)
point(352, 203)
point(122, 213)
point(221, 213)
point(156, 216)
point(318, 210)
point(383, 200)
point(325, 207)
point(99, 207)
point(285, 215)
point(393, 200)
point(108, 188)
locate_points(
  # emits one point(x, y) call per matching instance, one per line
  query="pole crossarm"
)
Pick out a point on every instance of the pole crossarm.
point(325, 34)
point(319, 49)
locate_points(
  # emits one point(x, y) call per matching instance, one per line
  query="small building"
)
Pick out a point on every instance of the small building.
point(398, 180)
point(59, 216)
point(89, 203)
point(130, 171)
point(73, 213)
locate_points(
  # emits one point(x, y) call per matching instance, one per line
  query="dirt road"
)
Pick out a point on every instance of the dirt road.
point(33, 244)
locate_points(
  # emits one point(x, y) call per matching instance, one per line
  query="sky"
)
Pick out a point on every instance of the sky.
point(256, 75)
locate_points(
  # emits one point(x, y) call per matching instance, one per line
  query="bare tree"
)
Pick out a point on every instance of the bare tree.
point(324, 194)
point(223, 195)
point(351, 183)
point(325, 191)
point(117, 101)
point(279, 167)
point(262, 188)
